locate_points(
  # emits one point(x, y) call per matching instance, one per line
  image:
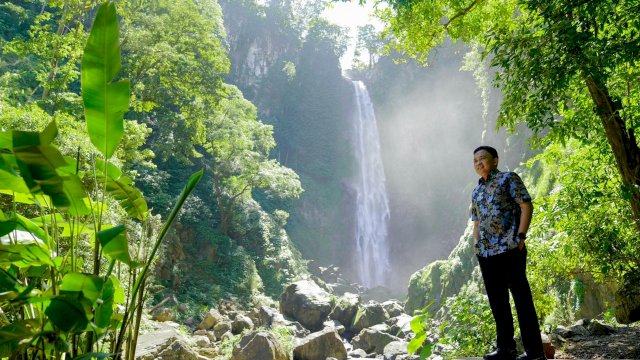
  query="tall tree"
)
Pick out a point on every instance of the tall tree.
point(567, 69)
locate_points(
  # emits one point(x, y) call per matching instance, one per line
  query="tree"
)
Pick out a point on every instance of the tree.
point(369, 40)
point(566, 68)
point(239, 146)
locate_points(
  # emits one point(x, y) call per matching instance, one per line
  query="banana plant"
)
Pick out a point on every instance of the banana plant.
point(51, 305)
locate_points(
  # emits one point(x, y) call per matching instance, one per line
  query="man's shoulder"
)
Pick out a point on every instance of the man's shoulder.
point(508, 175)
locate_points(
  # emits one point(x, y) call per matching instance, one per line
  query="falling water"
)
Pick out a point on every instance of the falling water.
point(372, 212)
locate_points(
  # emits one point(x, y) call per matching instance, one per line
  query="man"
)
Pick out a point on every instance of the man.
point(501, 212)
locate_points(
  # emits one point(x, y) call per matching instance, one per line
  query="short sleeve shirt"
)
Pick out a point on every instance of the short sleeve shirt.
point(495, 204)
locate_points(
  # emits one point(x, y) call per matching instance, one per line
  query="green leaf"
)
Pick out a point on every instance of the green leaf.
point(417, 324)
point(123, 190)
point(38, 162)
point(24, 248)
point(426, 351)
point(16, 336)
point(6, 140)
point(39, 235)
point(104, 310)
point(9, 178)
point(416, 343)
point(114, 244)
point(105, 101)
point(74, 190)
point(69, 312)
point(88, 284)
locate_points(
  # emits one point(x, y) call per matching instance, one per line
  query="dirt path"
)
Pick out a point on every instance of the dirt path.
point(623, 344)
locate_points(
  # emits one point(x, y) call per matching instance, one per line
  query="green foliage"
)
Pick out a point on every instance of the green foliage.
point(585, 220)
point(43, 280)
point(468, 328)
point(422, 326)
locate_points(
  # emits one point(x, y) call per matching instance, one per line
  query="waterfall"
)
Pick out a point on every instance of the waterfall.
point(372, 204)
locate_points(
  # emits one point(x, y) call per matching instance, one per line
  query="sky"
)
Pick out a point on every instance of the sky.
point(351, 15)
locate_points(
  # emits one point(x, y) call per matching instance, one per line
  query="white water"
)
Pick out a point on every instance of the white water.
point(372, 211)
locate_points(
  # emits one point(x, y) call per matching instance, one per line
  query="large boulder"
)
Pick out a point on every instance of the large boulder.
point(370, 314)
point(163, 314)
point(319, 346)
point(240, 324)
point(371, 340)
point(346, 309)
point(307, 303)
point(627, 309)
point(164, 343)
point(221, 328)
point(259, 346)
point(211, 318)
point(393, 307)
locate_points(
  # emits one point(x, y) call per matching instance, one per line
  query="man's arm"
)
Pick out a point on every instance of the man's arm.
point(525, 219)
point(476, 232)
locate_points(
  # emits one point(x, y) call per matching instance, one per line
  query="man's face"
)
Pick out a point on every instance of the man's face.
point(483, 162)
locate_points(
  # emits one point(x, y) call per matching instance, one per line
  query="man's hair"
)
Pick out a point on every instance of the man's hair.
point(488, 149)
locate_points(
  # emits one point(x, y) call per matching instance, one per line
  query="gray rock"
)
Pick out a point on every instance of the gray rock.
point(152, 343)
point(400, 326)
point(598, 328)
point(202, 341)
point(393, 307)
point(178, 350)
point(572, 331)
point(357, 353)
point(371, 340)
point(270, 317)
point(395, 349)
point(241, 323)
point(163, 314)
point(211, 318)
point(627, 308)
point(370, 315)
point(319, 346)
point(307, 303)
point(259, 346)
point(336, 325)
point(346, 309)
point(226, 336)
point(164, 343)
point(220, 328)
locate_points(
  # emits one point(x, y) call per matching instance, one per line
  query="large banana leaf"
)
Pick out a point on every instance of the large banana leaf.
point(37, 161)
point(105, 100)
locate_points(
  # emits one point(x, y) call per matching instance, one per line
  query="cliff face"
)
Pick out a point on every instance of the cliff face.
point(297, 85)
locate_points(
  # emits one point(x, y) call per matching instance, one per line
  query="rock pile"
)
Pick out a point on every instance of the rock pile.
point(322, 326)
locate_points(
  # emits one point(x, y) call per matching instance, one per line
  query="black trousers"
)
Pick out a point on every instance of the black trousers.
point(501, 273)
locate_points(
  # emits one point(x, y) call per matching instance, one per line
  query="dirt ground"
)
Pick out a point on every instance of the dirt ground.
point(623, 344)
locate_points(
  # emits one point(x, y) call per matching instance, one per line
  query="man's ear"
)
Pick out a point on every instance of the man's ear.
point(495, 161)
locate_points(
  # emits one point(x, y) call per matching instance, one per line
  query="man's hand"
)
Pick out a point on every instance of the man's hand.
point(521, 244)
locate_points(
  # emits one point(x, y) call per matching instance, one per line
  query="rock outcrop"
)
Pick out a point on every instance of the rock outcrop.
point(307, 303)
point(627, 309)
point(319, 346)
point(259, 346)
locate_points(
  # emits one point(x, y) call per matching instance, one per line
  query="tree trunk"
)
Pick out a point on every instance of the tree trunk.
point(622, 140)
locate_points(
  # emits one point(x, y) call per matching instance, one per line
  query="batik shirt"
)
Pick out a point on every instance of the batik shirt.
point(495, 204)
